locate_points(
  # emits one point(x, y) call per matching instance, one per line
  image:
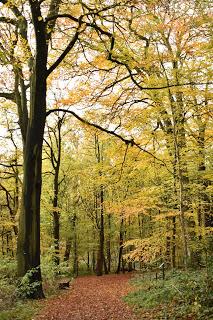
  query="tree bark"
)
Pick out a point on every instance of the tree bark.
point(28, 251)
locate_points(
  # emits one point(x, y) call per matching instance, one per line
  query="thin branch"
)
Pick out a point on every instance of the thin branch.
point(131, 75)
point(80, 21)
point(10, 165)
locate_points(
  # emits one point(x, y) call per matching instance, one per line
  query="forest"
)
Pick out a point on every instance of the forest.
point(106, 152)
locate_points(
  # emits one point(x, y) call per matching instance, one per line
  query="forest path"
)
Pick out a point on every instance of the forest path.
point(91, 298)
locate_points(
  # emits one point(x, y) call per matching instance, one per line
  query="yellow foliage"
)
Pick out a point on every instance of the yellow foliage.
point(101, 61)
point(75, 95)
point(145, 250)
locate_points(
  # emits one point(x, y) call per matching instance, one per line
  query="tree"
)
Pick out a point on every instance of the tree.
point(54, 144)
point(32, 125)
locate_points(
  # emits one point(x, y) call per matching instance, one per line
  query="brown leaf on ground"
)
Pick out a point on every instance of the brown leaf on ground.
point(91, 298)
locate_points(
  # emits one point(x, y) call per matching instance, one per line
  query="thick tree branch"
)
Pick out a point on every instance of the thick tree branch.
point(80, 21)
point(8, 20)
point(8, 96)
point(64, 54)
point(130, 142)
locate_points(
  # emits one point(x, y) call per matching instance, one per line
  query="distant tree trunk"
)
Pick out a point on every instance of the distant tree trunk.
point(173, 242)
point(168, 243)
point(56, 161)
point(176, 144)
point(2, 241)
point(100, 256)
point(182, 172)
point(75, 245)
point(100, 202)
point(93, 261)
point(56, 235)
point(56, 216)
point(10, 251)
point(183, 208)
point(130, 264)
point(67, 250)
point(105, 267)
point(121, 240)
point(205, 217)
point(140, 224)
point(88, 260)
point(108, 244)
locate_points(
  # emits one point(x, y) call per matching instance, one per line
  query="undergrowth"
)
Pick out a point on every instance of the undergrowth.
point(182, 295)
point(13, 292)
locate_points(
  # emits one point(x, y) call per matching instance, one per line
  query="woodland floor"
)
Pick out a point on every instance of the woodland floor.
point(91, 298)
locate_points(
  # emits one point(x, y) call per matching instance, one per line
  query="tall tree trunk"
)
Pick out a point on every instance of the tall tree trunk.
point(28, 251)
point(176, 144)
point(100, 203)
point(100, 256)
point(55, 157)
point(182, 172)
point(204, 211)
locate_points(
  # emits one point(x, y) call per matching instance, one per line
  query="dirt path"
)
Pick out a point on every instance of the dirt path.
point(91, 298)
